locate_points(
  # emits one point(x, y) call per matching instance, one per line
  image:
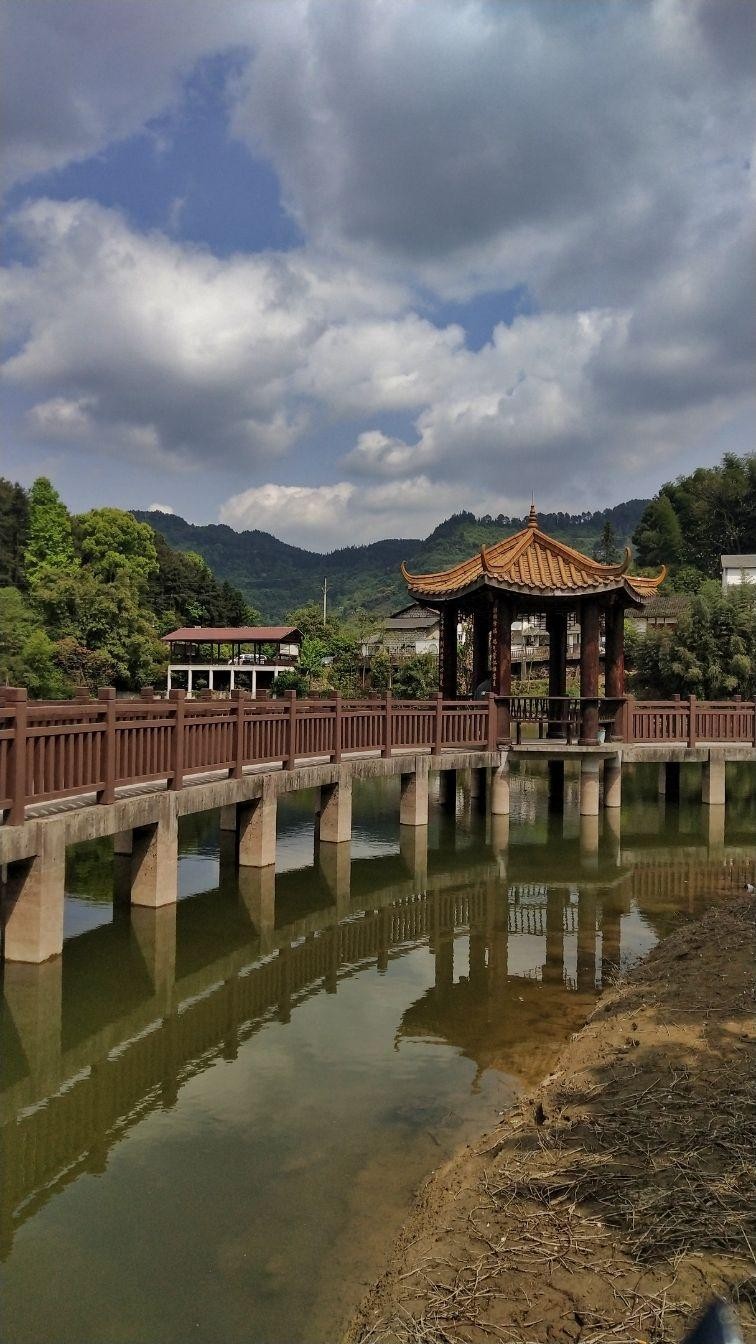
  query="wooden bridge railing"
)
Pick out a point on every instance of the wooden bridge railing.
point(51, 750)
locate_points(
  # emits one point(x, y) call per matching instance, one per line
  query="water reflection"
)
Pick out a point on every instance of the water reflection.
point(275, 1054)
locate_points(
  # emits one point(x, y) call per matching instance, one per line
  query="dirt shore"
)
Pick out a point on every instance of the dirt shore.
point(620, 1194)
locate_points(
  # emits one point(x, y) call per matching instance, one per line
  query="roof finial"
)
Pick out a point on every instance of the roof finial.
point(532, 516)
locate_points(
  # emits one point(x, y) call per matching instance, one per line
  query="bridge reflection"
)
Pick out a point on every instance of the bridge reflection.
point(97, 1039)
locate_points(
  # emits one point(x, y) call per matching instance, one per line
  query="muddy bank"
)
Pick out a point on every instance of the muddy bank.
point(620, 1193)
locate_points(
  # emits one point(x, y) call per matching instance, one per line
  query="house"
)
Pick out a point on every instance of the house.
point(661, 613)
point(222, 658)
point(737, 569)
point(406, 633)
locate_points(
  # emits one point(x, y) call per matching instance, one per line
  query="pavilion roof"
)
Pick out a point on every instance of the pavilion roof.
point(531, 563)
point(232, 634)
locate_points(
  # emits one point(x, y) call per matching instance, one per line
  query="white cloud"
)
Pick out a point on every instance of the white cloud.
point(160, 508)
point(343, 514)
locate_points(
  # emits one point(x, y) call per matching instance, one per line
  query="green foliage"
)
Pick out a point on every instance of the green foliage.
point(417, 679)
point(274, 575)
point(14, 532)
point(184, 591)
point(290, 681)
point(606, 549)
point(712, 654)
point(115, 548)
point(104, 618)
point(379, 670)
point(27, 654)
point(658, 536)
point(50, 547)
point(697, 518)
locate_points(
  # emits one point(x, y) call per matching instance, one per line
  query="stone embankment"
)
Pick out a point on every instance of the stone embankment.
point(618, 1196)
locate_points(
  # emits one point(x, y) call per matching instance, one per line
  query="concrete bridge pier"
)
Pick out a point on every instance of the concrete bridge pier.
point(228, 817)
point(447, 789)
point(669, 781)
point(257, 828)
point(413, 847)
point(589, 786)
point(123, 842)
point(613, 782)
point(500, 789)
point(34, 898)
point(499, 832)
point(613, 834)
point(334, 820)
point(413, 808)
point(257, 893)
point(713, 789)
point(715, 826)
point(154, 858)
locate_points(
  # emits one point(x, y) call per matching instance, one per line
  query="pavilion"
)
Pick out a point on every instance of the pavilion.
point(533, 573)
point(222, 658)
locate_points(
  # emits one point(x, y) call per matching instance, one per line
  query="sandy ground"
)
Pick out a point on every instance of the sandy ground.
point(610, 1202)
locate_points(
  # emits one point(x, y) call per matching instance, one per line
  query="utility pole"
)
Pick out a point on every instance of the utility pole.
point(325, 602)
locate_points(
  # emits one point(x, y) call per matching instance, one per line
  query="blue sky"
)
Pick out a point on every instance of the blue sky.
point(338, 269)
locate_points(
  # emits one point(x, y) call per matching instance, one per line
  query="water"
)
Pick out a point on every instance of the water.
point(213, 1135)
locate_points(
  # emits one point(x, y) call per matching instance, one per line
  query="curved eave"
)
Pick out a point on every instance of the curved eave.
point(619, 584)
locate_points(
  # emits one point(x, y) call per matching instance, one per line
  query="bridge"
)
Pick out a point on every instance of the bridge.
point(74, 771)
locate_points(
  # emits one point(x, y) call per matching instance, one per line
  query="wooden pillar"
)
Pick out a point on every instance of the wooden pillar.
point(614, 663)
point(501, 663)
point(447, 652)
point(481, 644)
point(589, 670)
point(556, 625)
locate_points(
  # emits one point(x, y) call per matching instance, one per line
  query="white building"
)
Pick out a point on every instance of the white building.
point(221, 658)
point(737, 569)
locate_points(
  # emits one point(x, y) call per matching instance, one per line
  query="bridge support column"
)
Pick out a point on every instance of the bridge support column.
point(413, 809)
point(228, 817)
point(34, 897)
point(477, 783)
point(714, 772)
point(500, 789)
point(123, 842)
point(715, 825)
point(447, 789)
point(33, 997)
point(613, 833)
point(334, 824)
point(154, 858)
point(589, 786)
point(257, 828)
point(335, 864)
point(413, 847)
point(257, 892)
point(613, 782)
point(155, 934)
point(669, 780)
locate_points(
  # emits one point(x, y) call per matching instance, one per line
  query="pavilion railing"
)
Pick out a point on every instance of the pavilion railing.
point(51, 750)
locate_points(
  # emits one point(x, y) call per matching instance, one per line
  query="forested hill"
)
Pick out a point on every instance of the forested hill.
point(276, 577)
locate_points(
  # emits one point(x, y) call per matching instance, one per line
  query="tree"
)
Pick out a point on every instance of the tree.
point(658, 537)
point(116, 548)
point(711, 654)
point(417, 679)
point(27, 654)
point(14, 531)
point(606, 549)
point(50, 547)
point(103, 618)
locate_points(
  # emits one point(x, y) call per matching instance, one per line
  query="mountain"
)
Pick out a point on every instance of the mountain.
point(276, 577)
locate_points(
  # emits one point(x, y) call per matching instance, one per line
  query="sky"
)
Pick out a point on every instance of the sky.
point(337, 269)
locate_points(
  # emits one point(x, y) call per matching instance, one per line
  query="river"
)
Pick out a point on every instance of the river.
point(214, 1134)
